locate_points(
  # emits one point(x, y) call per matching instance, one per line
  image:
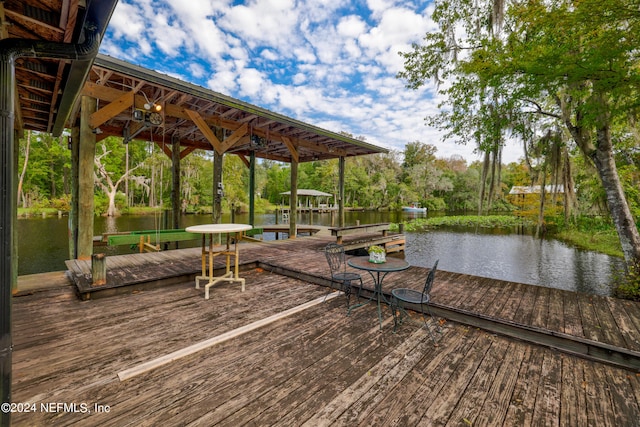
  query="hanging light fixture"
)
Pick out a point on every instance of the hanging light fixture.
point(151, 106)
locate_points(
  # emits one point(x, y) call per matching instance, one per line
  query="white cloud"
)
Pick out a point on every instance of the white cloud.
point(269, 55)
point(331, 63)
point(379, 6)
point(168, 37)
point(223, 82)
point(299, 78)
point(251, 82)
point(304, 54)
point(262, 22)
point(351, 26)
point(127, 22)
point(196, 70)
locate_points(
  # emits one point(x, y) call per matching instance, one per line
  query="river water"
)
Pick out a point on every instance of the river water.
point(43, 246)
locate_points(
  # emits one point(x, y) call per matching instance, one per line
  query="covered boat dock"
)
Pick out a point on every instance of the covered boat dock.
point(54, 79)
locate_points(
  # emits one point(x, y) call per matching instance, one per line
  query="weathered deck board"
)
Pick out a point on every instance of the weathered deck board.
point(573, 400)
point(500, 391)
point(319, 366)
point(572, 319)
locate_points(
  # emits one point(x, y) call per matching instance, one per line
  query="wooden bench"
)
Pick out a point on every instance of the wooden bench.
point(340, 232)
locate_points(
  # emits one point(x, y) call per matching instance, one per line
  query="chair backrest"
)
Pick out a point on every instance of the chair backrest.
point(429, 283)
point(335, 257)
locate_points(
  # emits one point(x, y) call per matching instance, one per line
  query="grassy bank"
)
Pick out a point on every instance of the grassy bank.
point(603, 242)
point(33, 212)
point(489, 221)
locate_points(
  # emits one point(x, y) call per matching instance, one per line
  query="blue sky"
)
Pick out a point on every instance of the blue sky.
point(330, 63)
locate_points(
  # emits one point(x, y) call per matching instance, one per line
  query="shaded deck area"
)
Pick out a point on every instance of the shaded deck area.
point(318, 366)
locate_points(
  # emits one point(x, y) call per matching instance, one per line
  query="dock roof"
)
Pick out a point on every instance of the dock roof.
point(48, 92)
point(310, 193)
point(47, 89)
point(535, 189)
point(189, 112)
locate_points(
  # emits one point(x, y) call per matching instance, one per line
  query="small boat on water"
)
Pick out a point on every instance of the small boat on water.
point(414, 207)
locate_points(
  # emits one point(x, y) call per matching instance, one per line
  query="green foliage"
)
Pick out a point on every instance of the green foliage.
point(556, 75)
point(435, 204)
point(629, 285)
point(595, 233)
point(62, 204)
point(100, 204)
point(48, 172)
point(488, 221)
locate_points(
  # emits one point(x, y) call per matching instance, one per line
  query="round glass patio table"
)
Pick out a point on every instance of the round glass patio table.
point(378, 273)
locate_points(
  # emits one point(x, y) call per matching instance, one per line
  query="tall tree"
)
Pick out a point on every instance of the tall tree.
point(24, 169)
point(104, 179)
point(582, 55)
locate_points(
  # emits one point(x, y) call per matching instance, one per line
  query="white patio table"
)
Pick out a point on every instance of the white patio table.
point(210, 253)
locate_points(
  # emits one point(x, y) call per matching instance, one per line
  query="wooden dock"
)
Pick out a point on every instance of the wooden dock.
point(318, 366)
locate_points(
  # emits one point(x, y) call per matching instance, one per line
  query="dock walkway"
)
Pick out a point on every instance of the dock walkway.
point(605, 329)
point(318, 366)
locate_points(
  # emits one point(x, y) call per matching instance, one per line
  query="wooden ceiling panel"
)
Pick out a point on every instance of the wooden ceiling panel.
point(49, 86)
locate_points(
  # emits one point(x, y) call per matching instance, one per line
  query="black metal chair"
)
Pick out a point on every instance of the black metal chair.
point(338, 266)
point(402, 296)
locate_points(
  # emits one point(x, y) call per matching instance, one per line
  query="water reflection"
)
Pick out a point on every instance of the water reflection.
point(515, 258)
point(43, 246)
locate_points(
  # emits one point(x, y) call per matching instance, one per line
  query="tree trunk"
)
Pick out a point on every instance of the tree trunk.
point(483, 180)
point(543, 195)
point(152, 193)
point(24, 169)
point(111, 210)
point(602, 157)
point(616, 201)
point(567, 181)
point(492, 180)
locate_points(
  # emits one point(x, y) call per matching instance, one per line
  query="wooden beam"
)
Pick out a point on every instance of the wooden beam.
point(235, 137)
point(111, 110)
point(177, 111)
point(244, 160)
point(165, 148)
point(174, 110)
point(36, 27)
point(206, 130)
point(292, 149)
point(184, 153)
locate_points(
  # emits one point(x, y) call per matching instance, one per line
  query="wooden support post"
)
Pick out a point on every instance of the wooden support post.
point(98, 269)
point(341, 165)
point(86, 155)
point(293, 200)
point(8, 217)
point(252, 187)
point(73, 212)
point(218, 190)
point(14, 219)
point(175, 183)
